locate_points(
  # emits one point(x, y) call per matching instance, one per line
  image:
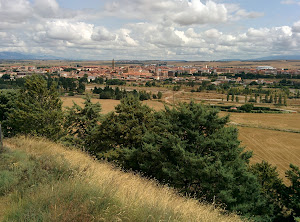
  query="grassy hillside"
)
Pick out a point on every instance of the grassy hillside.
point(43, 181)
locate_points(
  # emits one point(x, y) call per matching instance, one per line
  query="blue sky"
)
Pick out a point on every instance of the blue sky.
point(151, 29)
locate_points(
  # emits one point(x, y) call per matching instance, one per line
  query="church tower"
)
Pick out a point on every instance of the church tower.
point(113, 64)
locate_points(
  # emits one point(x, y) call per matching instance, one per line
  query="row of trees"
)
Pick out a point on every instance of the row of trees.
point(188, 147)
point(115, 93)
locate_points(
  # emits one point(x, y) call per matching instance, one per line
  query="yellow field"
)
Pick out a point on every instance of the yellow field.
point(107, 105)
point(278, 148)
point(279, 121)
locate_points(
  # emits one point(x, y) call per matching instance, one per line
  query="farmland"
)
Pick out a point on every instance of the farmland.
point(263, 133)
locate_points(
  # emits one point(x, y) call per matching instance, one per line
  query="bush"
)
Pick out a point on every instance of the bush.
point(247, 107)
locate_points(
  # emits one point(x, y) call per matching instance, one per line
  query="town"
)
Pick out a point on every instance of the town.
point(157, 71)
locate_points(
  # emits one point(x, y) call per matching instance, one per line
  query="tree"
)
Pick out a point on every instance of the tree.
point(293, 191)
point(227, 97)
point(247, 107)
point(38, 110)
point(272, 189)
point(80, 122)
point(123, 128)
point(159, 95)
point(189, 148)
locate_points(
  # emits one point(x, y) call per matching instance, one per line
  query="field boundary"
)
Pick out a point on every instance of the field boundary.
point(263, 127)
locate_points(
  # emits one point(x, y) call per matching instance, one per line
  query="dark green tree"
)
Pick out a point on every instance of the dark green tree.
point(37, 110)
point(80, 122)
point(159, 95)
point(272, 189)
point(190, 148)
point(293, 191)
point(123, 128)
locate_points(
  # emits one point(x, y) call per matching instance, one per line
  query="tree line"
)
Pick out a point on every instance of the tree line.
point(188, 147)
point(116, 93)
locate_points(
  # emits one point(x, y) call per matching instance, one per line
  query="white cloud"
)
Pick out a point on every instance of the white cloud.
point(296, 27)
point(290, 2)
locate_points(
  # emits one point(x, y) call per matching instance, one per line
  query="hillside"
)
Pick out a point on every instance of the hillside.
point(44, 181)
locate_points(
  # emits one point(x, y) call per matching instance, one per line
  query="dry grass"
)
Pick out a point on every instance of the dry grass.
point(279, 121)
point(145, 199)
point(107, 105)
point(278, 148)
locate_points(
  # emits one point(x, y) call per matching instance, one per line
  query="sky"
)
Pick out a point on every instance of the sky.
point(151, 29)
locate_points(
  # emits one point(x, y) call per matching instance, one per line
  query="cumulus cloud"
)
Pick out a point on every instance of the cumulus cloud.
point(181, 12)
point(170, 29)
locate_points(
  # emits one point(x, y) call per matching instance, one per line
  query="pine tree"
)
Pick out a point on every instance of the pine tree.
point(260, 98)
point(123, 128)
point(280, 100)
point(271, 99)
point(227, 97)
point(190, 148)
point(81, 122)
point(38, 110)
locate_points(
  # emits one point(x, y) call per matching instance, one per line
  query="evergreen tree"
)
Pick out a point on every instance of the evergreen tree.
point(285, 100)
point(266, 98)
point(272, 189)
point(190, 148)
point(237, 99)
point(293, 191)
point(232, 97)
point(227, 97)
point(123, 128)
point(271, 99)
point(260, 98)
point(159, 95)
point(280, 100)
point(38, 110)
point(80, 122)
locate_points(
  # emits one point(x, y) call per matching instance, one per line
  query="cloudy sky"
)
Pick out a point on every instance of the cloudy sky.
point(151, 29)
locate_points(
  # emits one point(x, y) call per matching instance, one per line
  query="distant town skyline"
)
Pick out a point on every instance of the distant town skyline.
point(151, 29)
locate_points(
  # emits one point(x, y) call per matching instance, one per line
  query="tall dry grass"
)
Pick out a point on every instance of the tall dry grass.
point(100, 192)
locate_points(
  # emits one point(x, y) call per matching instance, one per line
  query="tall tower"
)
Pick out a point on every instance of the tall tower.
point(113, 64)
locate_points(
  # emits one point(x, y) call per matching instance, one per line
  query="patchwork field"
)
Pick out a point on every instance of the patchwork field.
point(267, 120)
point(262, 134)
point(107, 104)
point(278, 148)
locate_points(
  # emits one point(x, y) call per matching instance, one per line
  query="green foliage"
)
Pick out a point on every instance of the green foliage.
point(272, 188)
point(123, 128)
point(7, 98)
point(110, 93)
point(37, 110)
point(188, 147)
point(247, 107)
point(115, 82)
point(159, 95)
point(80, 122)
point(293, 191)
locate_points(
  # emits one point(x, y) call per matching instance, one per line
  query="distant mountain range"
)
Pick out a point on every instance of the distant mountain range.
point(280, 57)
point(23, 56)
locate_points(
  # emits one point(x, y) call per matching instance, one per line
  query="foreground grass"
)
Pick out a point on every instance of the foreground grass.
point(43, 181)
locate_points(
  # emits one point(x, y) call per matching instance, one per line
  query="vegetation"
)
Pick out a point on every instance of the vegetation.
point(188, 147)
point(115, 93)
point(51, 183)
point(37, 110)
